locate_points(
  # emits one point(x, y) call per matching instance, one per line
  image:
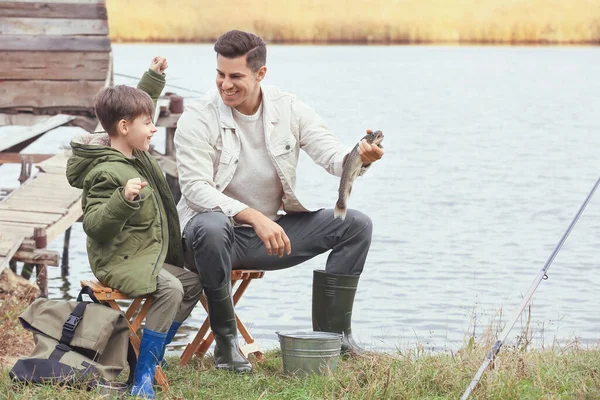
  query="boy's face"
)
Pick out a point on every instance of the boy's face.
point(236, 82)
point(139, 132)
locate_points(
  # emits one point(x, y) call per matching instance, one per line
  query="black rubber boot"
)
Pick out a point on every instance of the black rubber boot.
point(222, 322)
point(333, 298)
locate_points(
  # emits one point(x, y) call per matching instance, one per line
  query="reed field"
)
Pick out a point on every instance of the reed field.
point(358, 21)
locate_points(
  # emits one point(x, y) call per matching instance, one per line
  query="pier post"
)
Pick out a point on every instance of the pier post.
point(27, 270)
point(25, 169)
point(64, 266)
point(26, 164)
point(41, 241)
point(12, 264)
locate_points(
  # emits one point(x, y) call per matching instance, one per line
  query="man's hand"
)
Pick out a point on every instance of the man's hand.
point(133, 187)
point(272, 234)
point(369, 153)
point(159, 64)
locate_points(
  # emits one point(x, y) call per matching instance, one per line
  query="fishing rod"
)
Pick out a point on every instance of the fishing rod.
point(167, 84)
point(541, 275)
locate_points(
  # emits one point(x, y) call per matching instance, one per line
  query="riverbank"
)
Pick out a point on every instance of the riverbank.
point(355, 22)
point(565, 372)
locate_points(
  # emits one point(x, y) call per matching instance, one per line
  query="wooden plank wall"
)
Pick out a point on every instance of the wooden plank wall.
point(54, 55)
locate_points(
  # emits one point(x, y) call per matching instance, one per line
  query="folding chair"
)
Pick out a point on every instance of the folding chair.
point(110, 296)
point(204, 338)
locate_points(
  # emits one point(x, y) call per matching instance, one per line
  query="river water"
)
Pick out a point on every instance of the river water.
point(490, 151)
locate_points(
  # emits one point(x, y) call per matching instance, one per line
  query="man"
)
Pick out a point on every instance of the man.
point(237, 152)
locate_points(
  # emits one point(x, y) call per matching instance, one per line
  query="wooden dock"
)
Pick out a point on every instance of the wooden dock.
point(36, 213)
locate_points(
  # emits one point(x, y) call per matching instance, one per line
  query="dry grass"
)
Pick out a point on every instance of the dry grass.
point(559, 372)
point(551, 374)
point(356, 21)
point(15, 341)
point(16, 294)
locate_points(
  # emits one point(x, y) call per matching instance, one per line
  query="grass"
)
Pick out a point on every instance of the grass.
point(14, 297)
point(572, 374)
point(356, 21)
point(14, 340)
point(519, 372)
point(559, 372)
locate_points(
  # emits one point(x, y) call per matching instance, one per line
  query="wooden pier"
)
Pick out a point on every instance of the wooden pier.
point(36, 213)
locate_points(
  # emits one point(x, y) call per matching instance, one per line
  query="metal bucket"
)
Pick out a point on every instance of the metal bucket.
point(310, 352)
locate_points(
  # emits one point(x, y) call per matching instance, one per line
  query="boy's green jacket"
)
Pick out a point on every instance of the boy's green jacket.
point(128, 241)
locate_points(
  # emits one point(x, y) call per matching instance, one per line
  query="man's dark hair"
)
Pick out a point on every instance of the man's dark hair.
point(234, 43)
point(115, 103)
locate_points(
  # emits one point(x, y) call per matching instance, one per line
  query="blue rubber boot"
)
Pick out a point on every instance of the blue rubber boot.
point(170, 335)
point(152, 346)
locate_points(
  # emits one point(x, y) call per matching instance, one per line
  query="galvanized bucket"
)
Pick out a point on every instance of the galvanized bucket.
point(310, 352)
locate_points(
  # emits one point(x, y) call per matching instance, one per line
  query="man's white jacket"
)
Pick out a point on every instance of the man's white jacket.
point(208, 148)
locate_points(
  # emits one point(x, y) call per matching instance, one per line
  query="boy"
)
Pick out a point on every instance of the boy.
point(134, 241)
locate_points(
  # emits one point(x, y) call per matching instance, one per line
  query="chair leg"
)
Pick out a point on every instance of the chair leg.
point(198, 341)
point(207, 336)
point(250, 347)
point(240, 290)
point(204, 338)
point(137, 322)
point(203, 349)
point(135, 304)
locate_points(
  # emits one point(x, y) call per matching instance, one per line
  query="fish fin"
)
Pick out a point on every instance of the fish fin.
point(339, 212)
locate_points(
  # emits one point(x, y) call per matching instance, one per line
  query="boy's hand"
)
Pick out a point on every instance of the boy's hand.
point(159, 64)
point(132, 188)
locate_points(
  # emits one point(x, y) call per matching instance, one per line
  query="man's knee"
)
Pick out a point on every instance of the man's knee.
point(360, 224)
point(211, 230)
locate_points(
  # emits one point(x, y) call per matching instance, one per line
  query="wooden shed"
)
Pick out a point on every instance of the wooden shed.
point(54, 56)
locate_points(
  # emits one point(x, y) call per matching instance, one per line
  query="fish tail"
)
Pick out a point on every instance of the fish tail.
point(339, 212)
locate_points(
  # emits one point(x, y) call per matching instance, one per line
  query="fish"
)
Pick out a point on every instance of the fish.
point(351, 169)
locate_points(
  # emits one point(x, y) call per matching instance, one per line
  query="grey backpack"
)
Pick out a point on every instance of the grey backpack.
point(76, 343)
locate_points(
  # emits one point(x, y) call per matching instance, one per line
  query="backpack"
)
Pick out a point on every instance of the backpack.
point(77, 343)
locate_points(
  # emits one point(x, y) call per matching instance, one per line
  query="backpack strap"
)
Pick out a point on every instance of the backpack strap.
point(59, 351)
point(89, 292)
point(132, 361)
point(68, 330)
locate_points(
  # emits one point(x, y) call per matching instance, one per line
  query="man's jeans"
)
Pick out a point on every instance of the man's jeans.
point(215, 247)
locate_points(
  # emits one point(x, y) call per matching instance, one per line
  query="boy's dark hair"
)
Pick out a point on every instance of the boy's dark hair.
point(115, 103)
point(234, 43)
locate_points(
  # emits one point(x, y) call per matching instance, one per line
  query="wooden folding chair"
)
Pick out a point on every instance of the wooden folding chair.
point(204, 338)
point(110, 296)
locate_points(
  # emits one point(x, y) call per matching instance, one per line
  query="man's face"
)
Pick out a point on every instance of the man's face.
point(237, 84)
